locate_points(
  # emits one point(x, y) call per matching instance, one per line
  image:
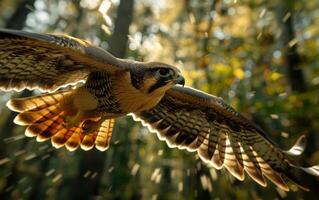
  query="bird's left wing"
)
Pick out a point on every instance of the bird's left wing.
point(189, 119)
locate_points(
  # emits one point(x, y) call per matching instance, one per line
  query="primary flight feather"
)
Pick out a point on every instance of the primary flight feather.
point(84, 116)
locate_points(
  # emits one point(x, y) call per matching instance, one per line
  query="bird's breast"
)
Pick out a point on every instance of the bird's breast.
point(131, 99)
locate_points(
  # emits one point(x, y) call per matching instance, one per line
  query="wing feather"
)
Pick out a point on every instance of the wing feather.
point(48, 62)
point(189, 119)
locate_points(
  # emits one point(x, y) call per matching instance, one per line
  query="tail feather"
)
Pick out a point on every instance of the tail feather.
point(59, 139)
point(45, 119)
point(43, 131)
point(74, 140)
point(67, 137)
point(36, 102)
point(88, 141)
point(104, 135)
point(52, 129)
point(39, 116)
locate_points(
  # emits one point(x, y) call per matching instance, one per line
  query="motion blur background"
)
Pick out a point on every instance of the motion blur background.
point(261, 56)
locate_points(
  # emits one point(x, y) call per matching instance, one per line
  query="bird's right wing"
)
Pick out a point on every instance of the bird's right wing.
point(48, 62)
point(190, 119)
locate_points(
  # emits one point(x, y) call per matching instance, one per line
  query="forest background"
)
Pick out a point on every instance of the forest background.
point(260, 56)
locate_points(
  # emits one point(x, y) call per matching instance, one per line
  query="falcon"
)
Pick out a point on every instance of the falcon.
point(86, 89)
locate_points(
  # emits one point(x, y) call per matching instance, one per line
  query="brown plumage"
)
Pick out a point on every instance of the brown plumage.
point(84, 116)
point(190, 119)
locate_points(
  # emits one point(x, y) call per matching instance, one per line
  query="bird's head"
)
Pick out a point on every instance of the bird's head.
point(155, 77)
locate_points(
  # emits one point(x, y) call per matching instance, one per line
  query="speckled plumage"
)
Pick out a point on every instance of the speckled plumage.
point(100, 85)
point(84, 116)
point(200, 124)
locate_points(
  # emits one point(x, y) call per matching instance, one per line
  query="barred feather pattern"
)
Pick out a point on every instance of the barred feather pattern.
point(46, 120)
point(25, 65)
point(48, 62)
point(188, 119)
point(100, 85)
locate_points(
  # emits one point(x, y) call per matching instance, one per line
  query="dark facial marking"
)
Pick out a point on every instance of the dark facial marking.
point(136, 78)
point(158, 84)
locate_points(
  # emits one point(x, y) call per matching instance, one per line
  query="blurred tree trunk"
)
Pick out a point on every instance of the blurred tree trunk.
point(83, 188)
point(16, 21)
point(119, 40)
point(292, 61)
point(296, 80)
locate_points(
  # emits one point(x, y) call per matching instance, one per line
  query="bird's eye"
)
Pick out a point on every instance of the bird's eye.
point(164, 72)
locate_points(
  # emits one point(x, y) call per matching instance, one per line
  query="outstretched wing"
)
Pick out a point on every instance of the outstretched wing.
point(193, 120)
point(48, 62)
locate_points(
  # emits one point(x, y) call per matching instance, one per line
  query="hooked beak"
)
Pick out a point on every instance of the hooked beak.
point(180, 80)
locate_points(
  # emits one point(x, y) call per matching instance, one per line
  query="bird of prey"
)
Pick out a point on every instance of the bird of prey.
point(83, 115)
